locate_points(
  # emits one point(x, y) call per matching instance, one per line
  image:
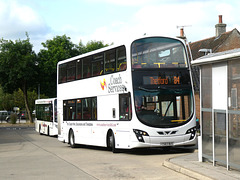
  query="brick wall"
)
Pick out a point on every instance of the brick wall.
point(197, 104)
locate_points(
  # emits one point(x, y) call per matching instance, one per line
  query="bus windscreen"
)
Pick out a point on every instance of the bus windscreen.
point(158, 52)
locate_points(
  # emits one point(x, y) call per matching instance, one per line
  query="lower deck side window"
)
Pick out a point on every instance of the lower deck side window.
point(44, 112)
point(80, 109)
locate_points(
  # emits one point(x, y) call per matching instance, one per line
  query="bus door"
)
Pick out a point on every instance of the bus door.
point(125, 114)
point(125, 108)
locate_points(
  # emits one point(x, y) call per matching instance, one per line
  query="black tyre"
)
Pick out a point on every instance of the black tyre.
point(39, 129)
point(48, 131)
point(71, 139)
point(111, 142)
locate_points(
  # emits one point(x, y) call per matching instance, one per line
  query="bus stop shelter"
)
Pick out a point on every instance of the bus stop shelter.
point(220, 108)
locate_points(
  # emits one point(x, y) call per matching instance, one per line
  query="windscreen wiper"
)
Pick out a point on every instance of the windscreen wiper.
point(148, 90)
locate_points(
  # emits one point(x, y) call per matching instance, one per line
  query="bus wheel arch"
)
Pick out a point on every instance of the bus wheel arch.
point(71, 138)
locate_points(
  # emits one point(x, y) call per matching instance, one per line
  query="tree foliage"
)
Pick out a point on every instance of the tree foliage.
point(17, 67)
point(21, 70)
point(90, 46)
point(6, 101)
point(55, 50)
point(16, 99)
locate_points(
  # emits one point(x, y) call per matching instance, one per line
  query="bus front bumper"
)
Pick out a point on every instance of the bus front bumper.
point(171, 141)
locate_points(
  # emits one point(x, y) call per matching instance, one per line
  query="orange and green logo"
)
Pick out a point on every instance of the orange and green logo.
point(103, 84)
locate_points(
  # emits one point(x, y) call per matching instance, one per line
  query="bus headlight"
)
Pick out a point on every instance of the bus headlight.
point(139, 134)
point(192, 131)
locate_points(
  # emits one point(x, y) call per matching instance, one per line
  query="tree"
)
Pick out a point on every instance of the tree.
point(6, 101)
point(18, 97)
point(17, 67)
point(57, 49)
point(90, 46)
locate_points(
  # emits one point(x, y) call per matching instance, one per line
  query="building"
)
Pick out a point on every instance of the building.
point(216, 74)
point(222, 41)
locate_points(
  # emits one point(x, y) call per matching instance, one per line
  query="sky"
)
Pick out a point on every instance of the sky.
point(113, 21)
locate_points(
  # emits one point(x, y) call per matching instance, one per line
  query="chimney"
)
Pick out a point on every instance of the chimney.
point(220, 27)
point(181, 32)
point(182, 36)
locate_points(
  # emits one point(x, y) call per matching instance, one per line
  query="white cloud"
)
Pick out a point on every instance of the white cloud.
point(16, 19)
point(23, 14)
point(161, 20)
point(130, 18)
point(198, 17)
point(125, 2)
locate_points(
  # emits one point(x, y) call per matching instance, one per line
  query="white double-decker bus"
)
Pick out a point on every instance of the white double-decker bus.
point(46, 116)
point(134, 95)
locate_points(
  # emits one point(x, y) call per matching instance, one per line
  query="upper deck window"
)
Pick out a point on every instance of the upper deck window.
point(121, 59)
point(158, 52)
point(106, 62)
point(71, 71)
point(62, 78)
point(110, 61)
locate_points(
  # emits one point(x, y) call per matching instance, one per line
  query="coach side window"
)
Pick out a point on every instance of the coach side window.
point(121, 59)
point(64, 110)
point(71, 71)
point(79, 109)
point(110, 61)
point(87, 107)
point(87, 67)
point(79, 69)
point(94, 108)
point(107, 62)
point(97, 64)
point(62, 73)
point(69, 110)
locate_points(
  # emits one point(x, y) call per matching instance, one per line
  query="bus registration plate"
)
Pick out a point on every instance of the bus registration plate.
point(166, 143)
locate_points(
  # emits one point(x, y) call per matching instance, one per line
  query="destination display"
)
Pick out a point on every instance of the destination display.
point(165, 77)
point(158, 80)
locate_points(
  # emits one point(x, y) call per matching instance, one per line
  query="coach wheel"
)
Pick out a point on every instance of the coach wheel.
point(72, 139)
point(39, 129)
point(111, 142)
point(48, 131)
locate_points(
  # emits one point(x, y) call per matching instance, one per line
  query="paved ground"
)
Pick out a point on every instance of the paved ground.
point(24, 154)
point(189, 165)
point(21, 157)
point(30, 156)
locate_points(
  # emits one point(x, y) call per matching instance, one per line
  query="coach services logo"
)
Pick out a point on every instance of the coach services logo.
point(103, 84)
point(115, 84)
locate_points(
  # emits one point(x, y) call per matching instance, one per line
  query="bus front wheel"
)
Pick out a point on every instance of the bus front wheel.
point(71, 139)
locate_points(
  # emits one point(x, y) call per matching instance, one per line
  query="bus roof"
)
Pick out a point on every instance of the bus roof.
point(112, 47)
point(44, 101)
